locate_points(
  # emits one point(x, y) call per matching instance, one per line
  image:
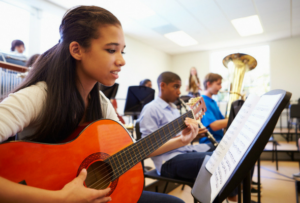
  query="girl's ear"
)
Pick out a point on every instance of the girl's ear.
point(76, 50)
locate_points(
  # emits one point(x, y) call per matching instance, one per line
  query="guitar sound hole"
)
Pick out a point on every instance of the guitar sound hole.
point(99, 175)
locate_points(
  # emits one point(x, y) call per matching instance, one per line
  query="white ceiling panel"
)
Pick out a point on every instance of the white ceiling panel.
point(153, 21)
point(273, 7)
point(237, 8)
point(207, 21)
point(208, 13)
point(280, 20)
point(176, 15)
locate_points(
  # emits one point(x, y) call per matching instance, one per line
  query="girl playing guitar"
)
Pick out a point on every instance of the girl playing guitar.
point(62, 92)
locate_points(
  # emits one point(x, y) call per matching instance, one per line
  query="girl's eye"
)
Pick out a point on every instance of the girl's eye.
point(122, 52)
point(111, 51)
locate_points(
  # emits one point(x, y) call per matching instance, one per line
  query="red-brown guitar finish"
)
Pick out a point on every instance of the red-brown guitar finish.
point(51, 166)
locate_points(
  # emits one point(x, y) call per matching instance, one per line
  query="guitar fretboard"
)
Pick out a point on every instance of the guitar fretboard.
point(133, 154)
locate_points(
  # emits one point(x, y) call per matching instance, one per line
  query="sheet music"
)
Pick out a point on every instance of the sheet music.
point(231, 133)
point(242, 141)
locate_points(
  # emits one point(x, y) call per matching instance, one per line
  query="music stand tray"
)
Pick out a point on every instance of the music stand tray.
point(137, 98)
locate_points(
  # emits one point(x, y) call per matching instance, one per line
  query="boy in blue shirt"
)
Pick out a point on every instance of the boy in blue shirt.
point(213, 120)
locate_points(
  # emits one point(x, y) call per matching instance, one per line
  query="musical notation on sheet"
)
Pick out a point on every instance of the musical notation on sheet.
point(226, 157)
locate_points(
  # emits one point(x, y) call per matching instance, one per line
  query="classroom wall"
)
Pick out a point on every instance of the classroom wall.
point(284, 64)
point(142, 61)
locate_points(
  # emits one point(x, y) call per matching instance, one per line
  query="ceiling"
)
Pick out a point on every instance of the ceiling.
point(207, 21)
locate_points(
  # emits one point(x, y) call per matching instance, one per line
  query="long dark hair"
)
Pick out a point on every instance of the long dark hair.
point(64, 108)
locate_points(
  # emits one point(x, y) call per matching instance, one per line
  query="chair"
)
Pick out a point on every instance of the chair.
point(153, 174)
point(274, 151)
point(295, 114)
point(280, 119)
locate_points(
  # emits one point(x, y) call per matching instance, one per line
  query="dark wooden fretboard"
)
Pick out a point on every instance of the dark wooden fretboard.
point(125, 159)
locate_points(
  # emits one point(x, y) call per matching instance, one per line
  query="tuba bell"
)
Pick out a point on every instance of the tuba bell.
point(242, 63)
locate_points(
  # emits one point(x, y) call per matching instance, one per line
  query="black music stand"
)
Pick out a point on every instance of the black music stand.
point(202, 188)
point(110, 92)
point(137, 98)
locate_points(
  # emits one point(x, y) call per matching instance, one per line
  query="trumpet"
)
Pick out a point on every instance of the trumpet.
point(208, 134)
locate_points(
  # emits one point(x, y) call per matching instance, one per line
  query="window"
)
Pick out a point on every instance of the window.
point(49, 30)
point(15, 24)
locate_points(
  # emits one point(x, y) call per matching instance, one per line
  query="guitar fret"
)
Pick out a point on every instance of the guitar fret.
point(175, 131)
point(123, 162)
point(146, 147)
point(159, 137)
point(151, 139)
point(142, 148)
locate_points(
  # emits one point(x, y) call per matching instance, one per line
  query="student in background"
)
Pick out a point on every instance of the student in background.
point(184, 161)
point(32, 60)
point(193, 86)
point(213, 119)
point(17, 47)
point(146, 83)
point(62, 92)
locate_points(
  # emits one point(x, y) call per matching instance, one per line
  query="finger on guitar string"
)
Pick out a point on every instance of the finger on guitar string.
point(75, 191)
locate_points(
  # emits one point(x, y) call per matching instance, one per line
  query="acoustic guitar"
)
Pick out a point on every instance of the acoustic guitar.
point(104, 148)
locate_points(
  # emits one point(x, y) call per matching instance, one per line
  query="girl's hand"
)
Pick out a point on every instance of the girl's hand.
point(189, 133)
point(75, 191)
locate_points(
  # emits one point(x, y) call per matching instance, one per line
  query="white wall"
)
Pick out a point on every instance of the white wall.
point(181, 64)
point(142, 61)
point(284, 64)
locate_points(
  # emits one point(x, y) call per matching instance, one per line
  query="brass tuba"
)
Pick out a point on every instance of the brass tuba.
point(242, 63)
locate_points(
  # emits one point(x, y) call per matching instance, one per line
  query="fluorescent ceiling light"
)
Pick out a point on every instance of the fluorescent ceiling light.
point(248, 25)
point(181, 38)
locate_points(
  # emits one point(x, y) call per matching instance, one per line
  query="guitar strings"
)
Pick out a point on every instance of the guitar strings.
point(128, 161)
point(147, 138)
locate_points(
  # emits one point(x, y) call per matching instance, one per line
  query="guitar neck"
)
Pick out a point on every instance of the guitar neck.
point(133, 154)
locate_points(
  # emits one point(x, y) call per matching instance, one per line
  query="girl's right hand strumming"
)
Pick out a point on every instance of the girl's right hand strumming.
point(75, 191)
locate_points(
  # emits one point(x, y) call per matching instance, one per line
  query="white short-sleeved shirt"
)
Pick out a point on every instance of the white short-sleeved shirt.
point(21, 112)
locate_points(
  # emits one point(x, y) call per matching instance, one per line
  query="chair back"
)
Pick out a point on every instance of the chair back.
point(295, 111)
point(137, 131)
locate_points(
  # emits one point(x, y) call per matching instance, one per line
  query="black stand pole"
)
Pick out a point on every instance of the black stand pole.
point(247, 188)
point(240, 193)
point(258, 180)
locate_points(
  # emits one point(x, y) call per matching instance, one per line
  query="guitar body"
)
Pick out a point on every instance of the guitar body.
point(51, 166)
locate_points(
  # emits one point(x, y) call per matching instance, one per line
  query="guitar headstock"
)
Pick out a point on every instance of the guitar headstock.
point(198, 107)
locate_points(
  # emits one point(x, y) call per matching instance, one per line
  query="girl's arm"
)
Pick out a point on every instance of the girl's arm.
point(20, 109)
